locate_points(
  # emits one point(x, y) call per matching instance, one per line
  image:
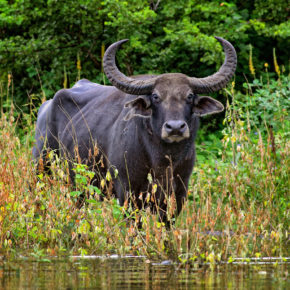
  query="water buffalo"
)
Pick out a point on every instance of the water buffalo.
point(140, 125)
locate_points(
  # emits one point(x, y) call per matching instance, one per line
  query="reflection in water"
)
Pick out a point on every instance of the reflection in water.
point(138, 273)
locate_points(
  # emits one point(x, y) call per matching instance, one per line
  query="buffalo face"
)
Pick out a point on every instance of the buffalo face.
point(172, 107)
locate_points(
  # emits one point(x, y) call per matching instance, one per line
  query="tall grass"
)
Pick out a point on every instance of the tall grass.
point(237, 203)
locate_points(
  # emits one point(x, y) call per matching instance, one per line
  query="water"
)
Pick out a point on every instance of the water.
point(139, 273)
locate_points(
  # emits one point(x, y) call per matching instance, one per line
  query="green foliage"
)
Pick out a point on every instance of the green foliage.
point(83, 177)
point(263, 106)
point(47, 45)
point(268, 103)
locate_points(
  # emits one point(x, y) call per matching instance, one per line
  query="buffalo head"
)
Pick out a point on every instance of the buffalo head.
point(171, 100)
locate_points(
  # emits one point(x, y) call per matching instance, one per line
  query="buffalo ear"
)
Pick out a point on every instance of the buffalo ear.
point(139, 107)
point(205, 105)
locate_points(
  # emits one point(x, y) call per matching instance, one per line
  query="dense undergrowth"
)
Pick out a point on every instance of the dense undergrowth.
point(237, 205)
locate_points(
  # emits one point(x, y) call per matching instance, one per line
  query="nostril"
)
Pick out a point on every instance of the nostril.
point(182, 126)
point(168, 127)
point(175, 127)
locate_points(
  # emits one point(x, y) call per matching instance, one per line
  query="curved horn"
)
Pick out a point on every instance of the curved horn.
point(220, 79)
point(118, 79)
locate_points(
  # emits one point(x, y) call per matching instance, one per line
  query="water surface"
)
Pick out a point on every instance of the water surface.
point(139, 273)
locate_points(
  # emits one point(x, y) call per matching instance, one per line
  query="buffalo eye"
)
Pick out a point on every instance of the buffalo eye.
point(190, 98)
point(156, 98)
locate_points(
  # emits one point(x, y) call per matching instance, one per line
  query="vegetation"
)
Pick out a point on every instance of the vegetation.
point(42, 42)
point(238, 188)
point(237, 201)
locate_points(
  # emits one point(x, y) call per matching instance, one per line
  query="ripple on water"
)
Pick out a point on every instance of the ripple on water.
point(135, 272)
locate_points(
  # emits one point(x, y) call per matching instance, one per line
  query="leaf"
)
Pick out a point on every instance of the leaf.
point(108, 176)
point(92, 201)
point(75, 193)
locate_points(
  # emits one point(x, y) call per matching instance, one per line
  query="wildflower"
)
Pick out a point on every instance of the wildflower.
point(233, 86)
point(103, 182)
point(102, 54)
point(148, 197)
point(275, 235)
point(65, 79)
point(108, 176)
point(211, 258)
point(277, 69)
point(79, 67)
point(251, 65)
point(9, 79)
point(258, 255)
point(266, 64)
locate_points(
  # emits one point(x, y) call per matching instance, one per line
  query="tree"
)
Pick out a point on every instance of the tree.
point(47, 45)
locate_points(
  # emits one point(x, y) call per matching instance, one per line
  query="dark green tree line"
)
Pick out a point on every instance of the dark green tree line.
point(47, 45)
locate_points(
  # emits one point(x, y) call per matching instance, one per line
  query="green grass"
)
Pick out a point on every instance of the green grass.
point(239, 187)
